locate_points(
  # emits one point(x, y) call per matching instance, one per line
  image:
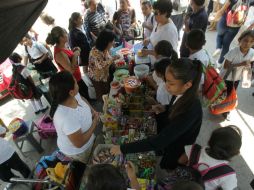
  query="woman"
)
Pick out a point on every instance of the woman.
point(100, 61)
point(66, 59)
point(78, 38)
point(37, 54)
point(225, 34)
point(179, 122)
point(165, 29)
point(75, 120)
point(125, 20)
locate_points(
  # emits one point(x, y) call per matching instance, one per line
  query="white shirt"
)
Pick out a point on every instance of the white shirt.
point(250, 17)
point(162, 95)
point(68, 121)
point(6, 150)
point(228, 182)
point(166, 32)
point(203, 56)
point(151, 22)
point(36, 50)
point(236, 56)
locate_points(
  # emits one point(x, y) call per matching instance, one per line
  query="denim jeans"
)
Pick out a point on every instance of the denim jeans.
point(225, 35)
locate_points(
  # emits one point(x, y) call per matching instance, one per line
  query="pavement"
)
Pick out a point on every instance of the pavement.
point(243, 117)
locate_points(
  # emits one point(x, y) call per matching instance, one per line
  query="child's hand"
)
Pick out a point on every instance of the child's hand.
point(130, 170)
point(146, 42)
point(145, 52)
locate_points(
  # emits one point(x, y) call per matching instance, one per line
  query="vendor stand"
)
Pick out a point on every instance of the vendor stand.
point(127, 117)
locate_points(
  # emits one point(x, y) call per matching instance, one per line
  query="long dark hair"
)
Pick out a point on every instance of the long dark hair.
point(74, 17)
point(185, 70)
point(105, 177)
point(60, 85)
point(225, 143)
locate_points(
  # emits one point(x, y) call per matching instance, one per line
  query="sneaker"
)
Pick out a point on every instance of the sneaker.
point(216, 52)
point(44, 109)
point(218, 65)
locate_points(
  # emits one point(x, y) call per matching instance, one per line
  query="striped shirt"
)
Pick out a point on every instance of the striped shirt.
point(94, 21)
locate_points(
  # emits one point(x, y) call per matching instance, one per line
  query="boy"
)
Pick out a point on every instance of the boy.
point(149, 20)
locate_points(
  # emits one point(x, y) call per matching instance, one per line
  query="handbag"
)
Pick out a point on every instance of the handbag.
point(238, 13)
point(231, 101)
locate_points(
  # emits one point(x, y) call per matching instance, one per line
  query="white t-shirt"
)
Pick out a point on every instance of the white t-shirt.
point(203, 56)
point(68, 121)
point(163, 96)
point(6, 150)
point(236, 56)
point(166, 32)
point(36, 50)
point(228, 182)
point(151, 22)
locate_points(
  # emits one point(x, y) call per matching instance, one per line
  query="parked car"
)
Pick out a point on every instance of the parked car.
point(5, 77)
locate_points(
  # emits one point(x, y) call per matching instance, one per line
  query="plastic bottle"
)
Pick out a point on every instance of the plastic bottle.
point(246, 83)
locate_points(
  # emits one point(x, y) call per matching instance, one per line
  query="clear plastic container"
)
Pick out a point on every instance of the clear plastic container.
point(246, 75)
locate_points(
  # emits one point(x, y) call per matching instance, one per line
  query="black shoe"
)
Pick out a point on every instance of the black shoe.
point(44, 109)
point(253, 94)
point(37, 112)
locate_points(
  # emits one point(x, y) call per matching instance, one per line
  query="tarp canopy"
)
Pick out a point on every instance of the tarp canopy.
point(16, 18)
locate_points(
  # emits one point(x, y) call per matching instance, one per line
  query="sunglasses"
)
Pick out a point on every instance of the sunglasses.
point(156, 13)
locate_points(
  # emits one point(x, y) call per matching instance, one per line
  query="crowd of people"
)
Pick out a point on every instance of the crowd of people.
point(176, 80)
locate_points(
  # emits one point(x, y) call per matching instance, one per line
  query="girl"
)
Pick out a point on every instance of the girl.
point(162, 95)
point(79, 39)
point(179, 122)
point(66, 59)
point(162, 49)
point(36, 99)
point(75, 120)
point(224, 144)
point(239, 58)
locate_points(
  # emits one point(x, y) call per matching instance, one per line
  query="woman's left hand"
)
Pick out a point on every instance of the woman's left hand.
point(115, 150)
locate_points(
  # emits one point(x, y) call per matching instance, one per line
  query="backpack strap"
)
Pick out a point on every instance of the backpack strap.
point(194, 154)
point(218, 171)
point(28, 55)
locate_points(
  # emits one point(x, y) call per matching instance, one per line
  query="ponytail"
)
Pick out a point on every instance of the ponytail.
point(55, 34)
point(74, 17)
point(165, 49)
point(186, 71)
point(60, 85)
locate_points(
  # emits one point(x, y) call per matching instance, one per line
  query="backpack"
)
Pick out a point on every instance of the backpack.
point(20, 88)
point(191, 172)
point(214, 89)
point(46, 128)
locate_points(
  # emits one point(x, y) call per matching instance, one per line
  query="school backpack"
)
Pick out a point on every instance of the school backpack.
point(20, 88)
point(191, 172)
point(46, 128)
point(214, 89)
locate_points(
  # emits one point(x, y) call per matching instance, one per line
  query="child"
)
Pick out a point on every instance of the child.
point(9, 159)
point(239, 58)
point(224, 144)
point(149, 20)
point(107, 177)
point(162, 49)
point(36, 100)
point(194, 42)
point(162, 95)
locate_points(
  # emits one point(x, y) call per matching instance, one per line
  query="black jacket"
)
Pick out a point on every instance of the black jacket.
point(172, 137)
point(78, 39)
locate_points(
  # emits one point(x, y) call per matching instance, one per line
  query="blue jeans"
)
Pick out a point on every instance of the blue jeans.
point(225, 35)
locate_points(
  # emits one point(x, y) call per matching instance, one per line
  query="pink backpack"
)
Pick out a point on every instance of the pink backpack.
point(46, 128)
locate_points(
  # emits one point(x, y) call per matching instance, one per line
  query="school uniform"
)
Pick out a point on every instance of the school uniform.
point(173, 134)
point(151, 22)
